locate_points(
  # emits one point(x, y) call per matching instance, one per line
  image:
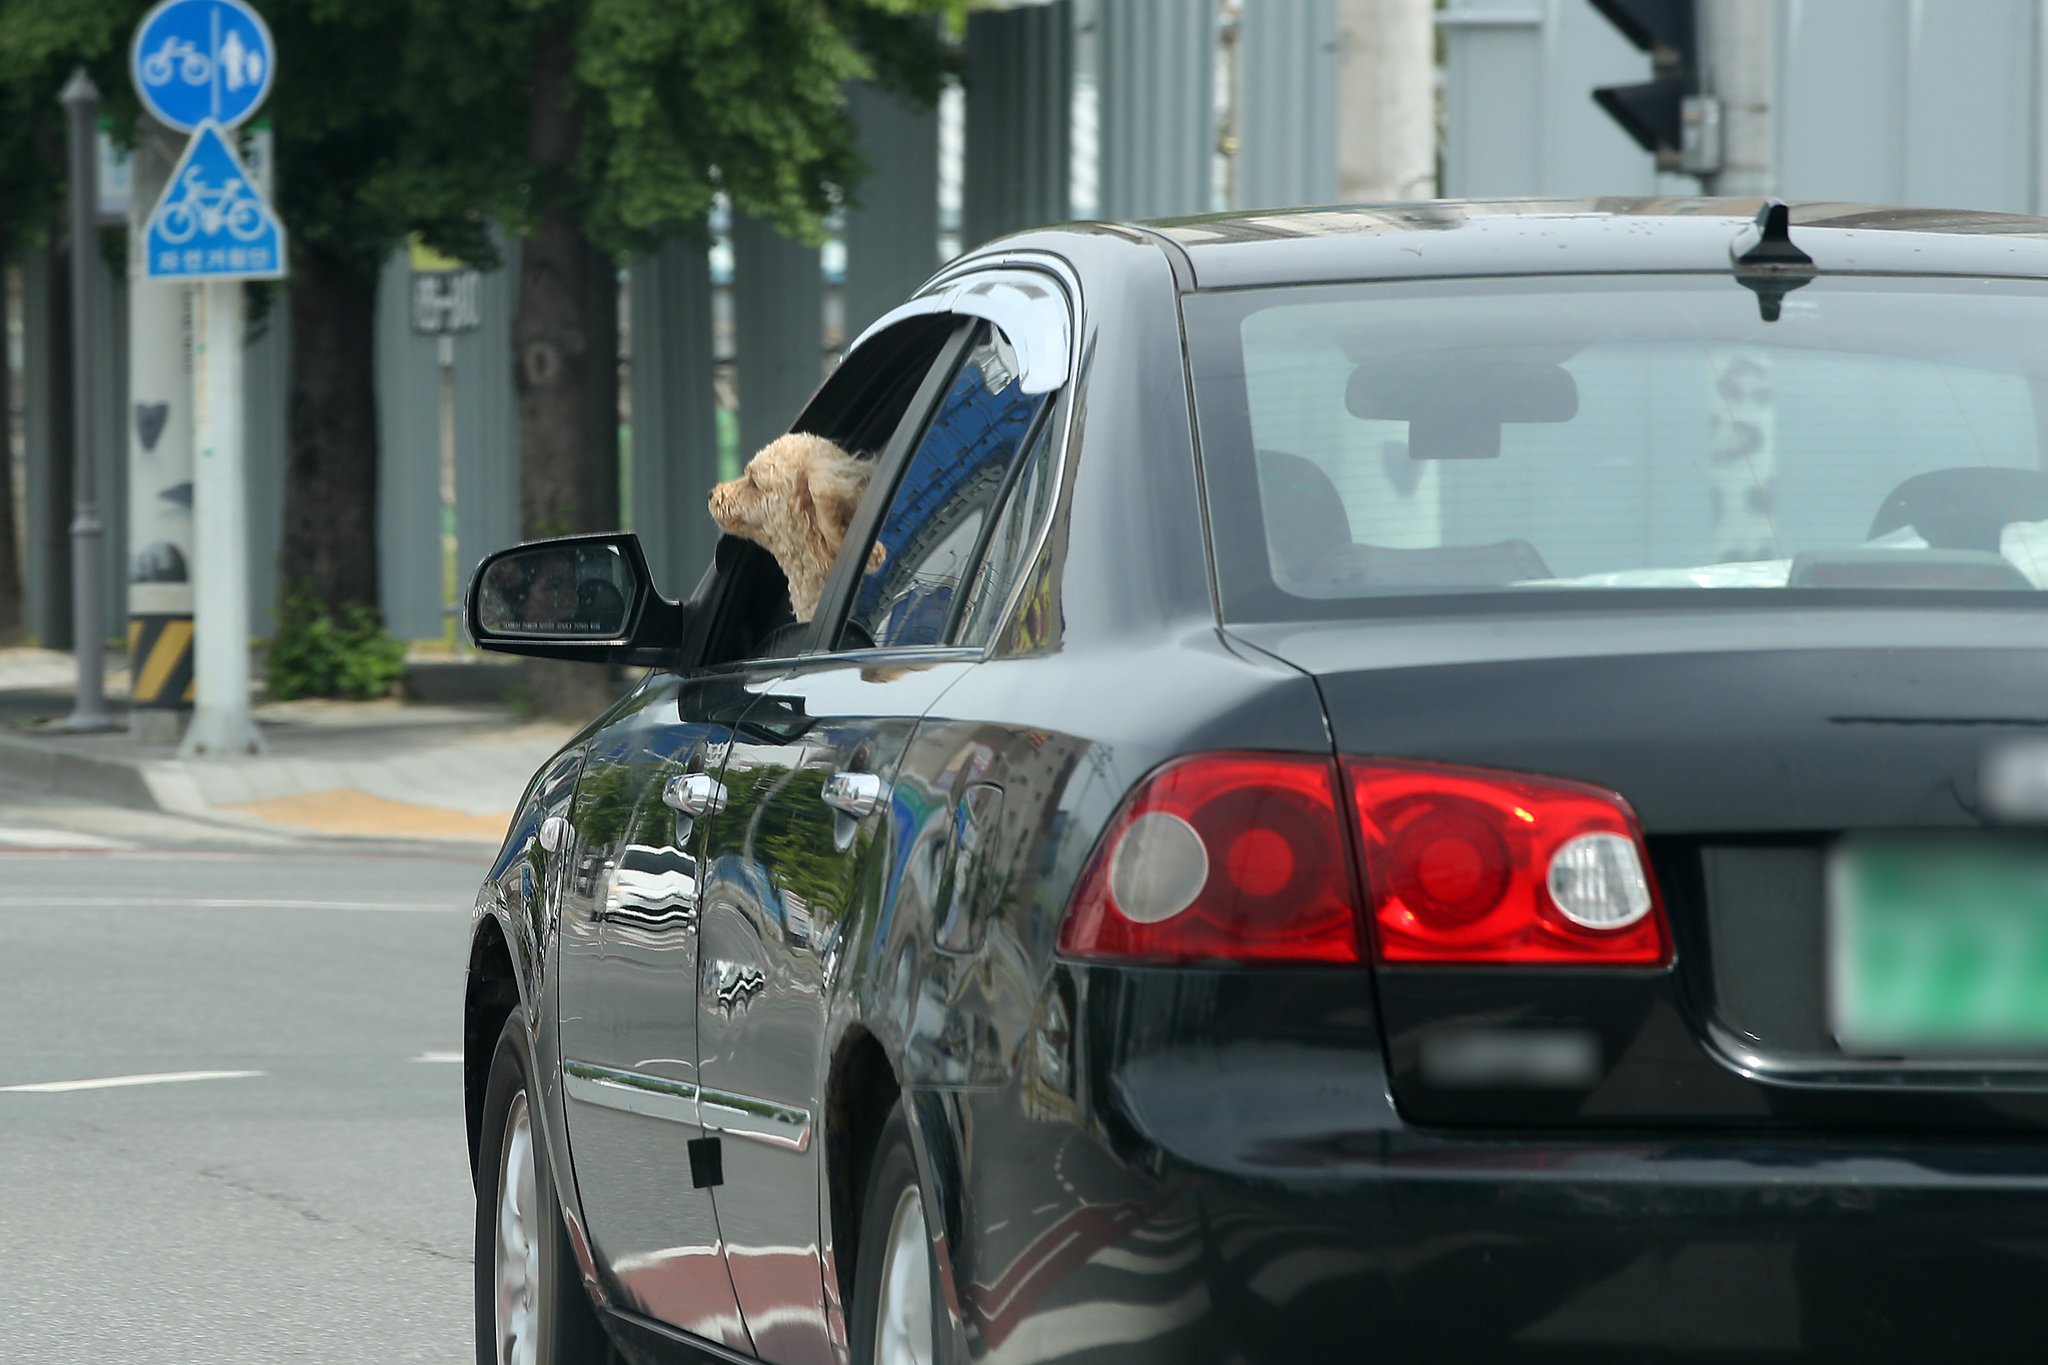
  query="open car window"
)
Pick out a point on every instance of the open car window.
point(863, 406)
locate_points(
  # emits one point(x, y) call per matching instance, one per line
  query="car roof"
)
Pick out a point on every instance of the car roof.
point(1572, 236)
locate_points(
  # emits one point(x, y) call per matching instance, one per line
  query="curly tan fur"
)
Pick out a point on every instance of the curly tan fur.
point(795, 499)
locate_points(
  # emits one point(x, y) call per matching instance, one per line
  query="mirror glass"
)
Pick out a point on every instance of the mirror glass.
point(557, 592)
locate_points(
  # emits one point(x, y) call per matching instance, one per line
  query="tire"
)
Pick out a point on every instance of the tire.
point(896, 1294)
point(547, 1318)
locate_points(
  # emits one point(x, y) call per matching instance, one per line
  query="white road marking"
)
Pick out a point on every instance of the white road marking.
point(439, 1057)
point(115, 1082)
point(58, 840)
point(142, 900)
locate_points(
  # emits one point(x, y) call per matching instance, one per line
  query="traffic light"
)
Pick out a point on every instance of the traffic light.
point(1664, 114)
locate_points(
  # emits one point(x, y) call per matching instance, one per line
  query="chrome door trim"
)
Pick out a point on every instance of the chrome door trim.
point(716, 1111)
point(632, 1092)
point(763, 1121)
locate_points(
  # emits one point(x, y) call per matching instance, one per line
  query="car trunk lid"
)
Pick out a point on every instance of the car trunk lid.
point(1777, 761)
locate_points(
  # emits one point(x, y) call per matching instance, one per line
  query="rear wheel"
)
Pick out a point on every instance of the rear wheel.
point(895, 1318)
point(530, 1305)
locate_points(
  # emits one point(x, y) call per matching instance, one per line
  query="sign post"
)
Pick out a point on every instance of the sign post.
point(88, 529)
point(162, 333)
point(203, 66)
point(446, 302)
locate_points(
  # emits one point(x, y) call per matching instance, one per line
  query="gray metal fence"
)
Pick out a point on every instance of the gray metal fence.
point(1887, 101)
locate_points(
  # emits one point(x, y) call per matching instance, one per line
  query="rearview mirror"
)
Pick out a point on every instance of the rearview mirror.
point(1455, 403)
point(585, 598)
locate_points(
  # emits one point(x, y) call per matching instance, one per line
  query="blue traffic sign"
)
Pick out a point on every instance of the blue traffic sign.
point(212, 222)
point(195, 60)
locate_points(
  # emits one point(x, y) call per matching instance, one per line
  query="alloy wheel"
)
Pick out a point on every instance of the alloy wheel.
point(518, 1241)
point(903, 1326)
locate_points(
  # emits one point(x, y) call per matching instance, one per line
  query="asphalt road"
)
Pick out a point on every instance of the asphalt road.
point(314, 1207)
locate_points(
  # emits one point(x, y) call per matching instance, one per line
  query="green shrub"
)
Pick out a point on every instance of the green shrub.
point(315, 655)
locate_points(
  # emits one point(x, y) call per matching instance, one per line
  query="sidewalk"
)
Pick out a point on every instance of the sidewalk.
point(368, 770)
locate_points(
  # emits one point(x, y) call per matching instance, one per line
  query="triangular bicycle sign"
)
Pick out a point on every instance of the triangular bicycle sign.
point(212, 222)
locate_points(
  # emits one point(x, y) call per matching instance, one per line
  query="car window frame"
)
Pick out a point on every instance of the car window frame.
point(972, 561)
point(1053, 277)
point(1006, 294)
point(1013, 477)
point(890, 461)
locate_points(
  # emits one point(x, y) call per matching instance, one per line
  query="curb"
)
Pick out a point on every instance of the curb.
point(94, 777)
point(164, 786)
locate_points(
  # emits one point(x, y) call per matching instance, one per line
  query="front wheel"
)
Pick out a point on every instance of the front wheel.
point(530, 1306)
point(895, 1318)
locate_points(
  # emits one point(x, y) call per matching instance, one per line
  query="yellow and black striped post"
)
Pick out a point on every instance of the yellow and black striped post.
point(160, 662)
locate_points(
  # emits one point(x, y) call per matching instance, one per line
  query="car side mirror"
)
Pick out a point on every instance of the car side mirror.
point(589, 599)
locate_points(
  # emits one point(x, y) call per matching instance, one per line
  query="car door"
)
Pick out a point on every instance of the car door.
point(799, 864)
point(627, 978)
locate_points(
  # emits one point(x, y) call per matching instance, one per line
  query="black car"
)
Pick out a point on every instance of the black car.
point(1447, 782)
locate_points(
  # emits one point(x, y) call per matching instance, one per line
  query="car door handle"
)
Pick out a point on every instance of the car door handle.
point(854, 793)
point(694, 794)
point(554, 834)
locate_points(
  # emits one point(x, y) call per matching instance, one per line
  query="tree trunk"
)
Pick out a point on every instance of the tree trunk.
point(330, 497)
point(13, 606)
point(564, 341)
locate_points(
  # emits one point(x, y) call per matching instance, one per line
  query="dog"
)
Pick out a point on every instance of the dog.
point(795, 499)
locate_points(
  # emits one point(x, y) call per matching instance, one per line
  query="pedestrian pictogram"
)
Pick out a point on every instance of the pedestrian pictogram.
point(200, 60)
point(212, 222)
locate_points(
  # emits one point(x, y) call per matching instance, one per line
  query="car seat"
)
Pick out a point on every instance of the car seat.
point(1305, 517)
point(1965, 508)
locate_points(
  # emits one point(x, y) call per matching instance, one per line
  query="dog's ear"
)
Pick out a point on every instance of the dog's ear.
point(829, 496)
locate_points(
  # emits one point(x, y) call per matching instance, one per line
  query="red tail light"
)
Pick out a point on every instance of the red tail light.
point(1469, 865)
point(1240, 857)
point(1231, 857)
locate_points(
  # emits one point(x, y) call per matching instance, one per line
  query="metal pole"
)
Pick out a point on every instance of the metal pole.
point(160, 440)
point(1386, 100)
point(221, 726)
point(88, 532)
point(1736, 40)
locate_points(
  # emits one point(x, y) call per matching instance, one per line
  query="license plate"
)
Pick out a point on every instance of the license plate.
point(1939, 947)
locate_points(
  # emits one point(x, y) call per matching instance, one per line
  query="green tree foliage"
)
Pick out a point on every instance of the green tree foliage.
point(583, 126)
point(636, 115)
point(376, 113)
point(691, 99)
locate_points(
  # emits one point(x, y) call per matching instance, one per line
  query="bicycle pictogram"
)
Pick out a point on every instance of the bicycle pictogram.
point(194, 60)
point(211, 210)
point(180, 58)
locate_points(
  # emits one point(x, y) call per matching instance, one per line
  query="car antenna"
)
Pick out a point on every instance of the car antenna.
point(1766, 261)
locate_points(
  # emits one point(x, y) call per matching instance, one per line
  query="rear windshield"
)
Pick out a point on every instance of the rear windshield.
point(1364, 446)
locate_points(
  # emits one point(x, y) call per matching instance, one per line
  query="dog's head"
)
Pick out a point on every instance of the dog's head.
point(795, 499)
